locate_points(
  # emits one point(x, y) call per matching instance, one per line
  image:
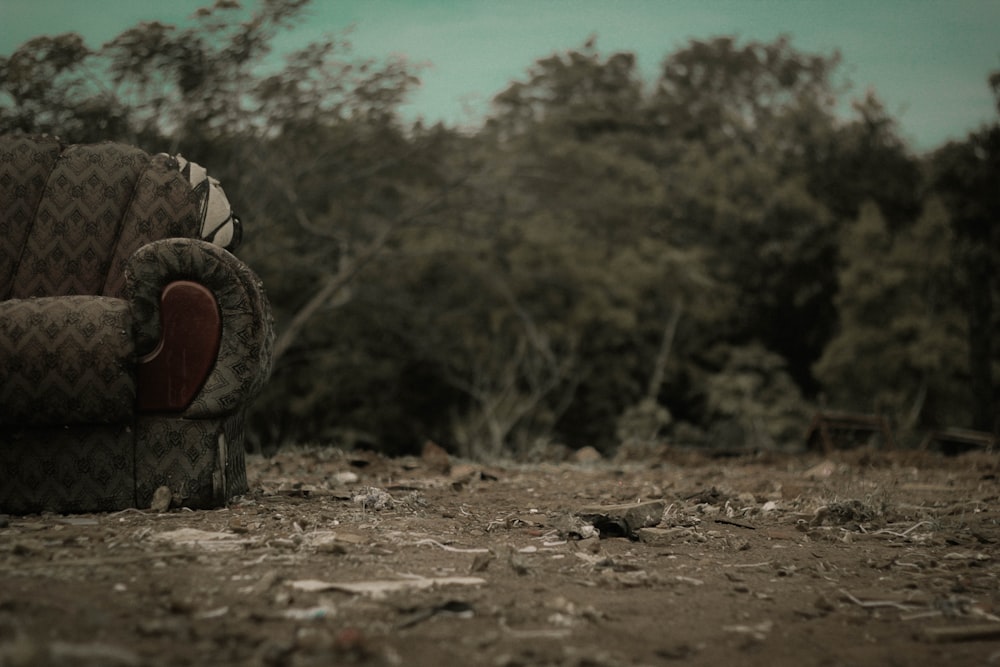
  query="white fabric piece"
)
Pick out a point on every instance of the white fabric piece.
point(218, 223)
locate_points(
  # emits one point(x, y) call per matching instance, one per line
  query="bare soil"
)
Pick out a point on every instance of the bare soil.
point(862, 558)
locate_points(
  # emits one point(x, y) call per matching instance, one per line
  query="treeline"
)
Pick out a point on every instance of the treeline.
point(704, 258)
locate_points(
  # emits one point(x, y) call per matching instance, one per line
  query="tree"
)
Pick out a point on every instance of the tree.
point(595, 263)
point(966, 176)
point(751, 400)
point(307, 144)
point(661, 256)
point(901, 338)
point(48, 86)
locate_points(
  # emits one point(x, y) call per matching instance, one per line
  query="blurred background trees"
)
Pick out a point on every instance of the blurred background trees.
point(703, 258)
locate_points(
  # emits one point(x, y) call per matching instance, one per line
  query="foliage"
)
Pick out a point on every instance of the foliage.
point(902, 337)
point(605, 259)
point(752, 401)
point(965, 176)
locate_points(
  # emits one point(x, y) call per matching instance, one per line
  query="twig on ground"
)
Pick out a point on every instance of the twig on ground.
point(976, 632)
point(873, 604)
point(99, 561)
point(446, 547)
point(886, 531)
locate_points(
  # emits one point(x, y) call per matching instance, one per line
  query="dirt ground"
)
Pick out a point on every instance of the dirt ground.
point(862, 558)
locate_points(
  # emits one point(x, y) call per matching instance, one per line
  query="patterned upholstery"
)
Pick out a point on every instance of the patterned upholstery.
point(89, 237)
point(87, 468)
point(247, 340)
point(24, 172)
point(66, 360)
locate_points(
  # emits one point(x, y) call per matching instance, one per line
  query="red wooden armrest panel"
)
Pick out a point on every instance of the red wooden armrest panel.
point(169, 377)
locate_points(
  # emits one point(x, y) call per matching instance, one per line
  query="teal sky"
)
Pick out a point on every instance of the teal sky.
point(928, 60)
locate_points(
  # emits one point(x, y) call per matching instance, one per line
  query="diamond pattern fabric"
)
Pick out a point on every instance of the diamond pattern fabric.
point(90, 235)
point(66, 360)
point(24, 170)
point(78, 220)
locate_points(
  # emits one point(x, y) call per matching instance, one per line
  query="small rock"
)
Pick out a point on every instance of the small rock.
point(481, 562)
point(435, 457)
point(793, 491)
point(373, 498)
point(659, 536)
point(346, 477)
point(27, 548)
point(590, 544)
point(517, 561)
point(586, 454)
point(824, 604)
point(623, 520)
point(237, 526)
point(756, 632)
point(351, 644)
point(821, 470)
point(678, 651)
point(162, 498)
point(330, 546)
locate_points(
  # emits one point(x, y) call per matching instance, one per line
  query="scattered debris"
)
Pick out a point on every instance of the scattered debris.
point(738, 524)
point(512, 557)
point(448, 547)
point(876, 603)
point(204, 539)
point(236, 525)
point(316, 613)
point(373, 498)
point(710, 496)
point(328, 542)
point(661, 536)
point(26, 651)
point(379, 588)
point(304, 570)
point(846, 511)
point(453, 608)
point(623, 520)
point(757, 632)
point(218, 612)
point(71, 521)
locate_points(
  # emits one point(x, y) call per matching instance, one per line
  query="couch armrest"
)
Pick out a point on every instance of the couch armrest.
point(243, 362)
point(169, 378)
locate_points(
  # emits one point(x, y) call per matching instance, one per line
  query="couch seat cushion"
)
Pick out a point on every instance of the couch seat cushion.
point(66, 360)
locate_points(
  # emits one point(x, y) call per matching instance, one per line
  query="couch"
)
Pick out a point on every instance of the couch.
point(131, 339)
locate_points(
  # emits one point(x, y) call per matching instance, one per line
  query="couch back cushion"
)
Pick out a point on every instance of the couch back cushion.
point(70, 216)
point(24, 170)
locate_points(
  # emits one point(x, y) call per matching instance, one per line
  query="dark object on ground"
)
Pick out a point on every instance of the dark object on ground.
point(623, 520)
